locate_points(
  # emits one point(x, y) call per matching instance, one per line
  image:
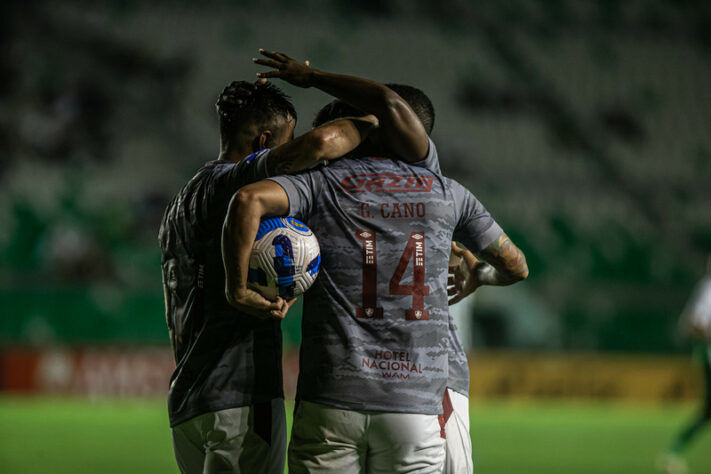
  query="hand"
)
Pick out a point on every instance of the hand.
point(253, 303)
point(370, 118)
point(462, 279)
point(286, 68)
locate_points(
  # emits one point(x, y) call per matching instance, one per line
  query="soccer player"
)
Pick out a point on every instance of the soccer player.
point(697, 319)
point(375, 333)
point(225, 401)
point(454, 419)
point(467, 273)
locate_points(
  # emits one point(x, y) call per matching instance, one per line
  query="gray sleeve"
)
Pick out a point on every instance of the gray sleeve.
point(475, 227)
point(431, 161)
point(301, 189)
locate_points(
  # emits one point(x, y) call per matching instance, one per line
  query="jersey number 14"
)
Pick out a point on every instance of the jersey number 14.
point(415, 250)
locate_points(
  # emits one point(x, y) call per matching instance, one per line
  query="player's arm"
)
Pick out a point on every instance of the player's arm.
point(327, 142)
point(400, 127)
point(244, 214)
point(499, 264)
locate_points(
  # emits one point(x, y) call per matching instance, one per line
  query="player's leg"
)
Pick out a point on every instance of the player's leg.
point(695, 426)
point(404, 442)
point(707, 383)
point(672, 462)
point(327, 440)
point(247, 439)
point(188, 446)
point(277, 451)
point(224, 434)
point(264, 445)
point(458, 443)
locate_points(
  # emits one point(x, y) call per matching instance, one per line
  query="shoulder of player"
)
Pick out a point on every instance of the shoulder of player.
point(214, 168)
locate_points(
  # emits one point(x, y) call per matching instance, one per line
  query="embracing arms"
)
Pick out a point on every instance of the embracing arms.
point(499, 264)
point(327, 142)
point(400, 127)
point(248, 206)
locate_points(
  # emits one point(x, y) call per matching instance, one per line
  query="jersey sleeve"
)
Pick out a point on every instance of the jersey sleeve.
point(302, 190)
point(249, 170)
point(475, 227)
point(431, 161)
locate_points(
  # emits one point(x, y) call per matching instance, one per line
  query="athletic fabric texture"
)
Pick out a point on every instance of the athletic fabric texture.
point(455, 425)
point(248, 440)
point(331, 440)
point(224, 358)
point(376, 321)
point(458, 376)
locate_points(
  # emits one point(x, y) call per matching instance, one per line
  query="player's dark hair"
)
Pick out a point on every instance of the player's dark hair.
point(420, 103)
point(334, 110)
point(262, 107)
point(418, 100)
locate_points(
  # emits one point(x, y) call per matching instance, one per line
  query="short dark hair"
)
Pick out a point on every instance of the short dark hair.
point(334, 110)
point(416, 98)
point(262, 106)
point(420, 103)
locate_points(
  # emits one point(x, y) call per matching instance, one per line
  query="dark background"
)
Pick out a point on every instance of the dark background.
point(582, 126)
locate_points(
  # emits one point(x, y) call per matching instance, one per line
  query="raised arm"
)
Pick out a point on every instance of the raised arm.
point(248, 206)
point(399, 125)
point(327, 142)
point(499, 264)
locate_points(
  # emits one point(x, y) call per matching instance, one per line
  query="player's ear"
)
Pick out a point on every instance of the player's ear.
point(264, 140)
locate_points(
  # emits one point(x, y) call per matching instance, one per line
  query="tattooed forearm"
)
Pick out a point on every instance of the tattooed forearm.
point(488, 275)
point(505, 263)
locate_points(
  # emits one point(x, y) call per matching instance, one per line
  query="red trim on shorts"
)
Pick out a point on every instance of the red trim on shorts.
point(447, 410)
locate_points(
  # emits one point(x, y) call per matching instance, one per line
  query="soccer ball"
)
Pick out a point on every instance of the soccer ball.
point(285, 258)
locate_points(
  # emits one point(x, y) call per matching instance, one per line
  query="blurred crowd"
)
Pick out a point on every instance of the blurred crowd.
point(581, 125)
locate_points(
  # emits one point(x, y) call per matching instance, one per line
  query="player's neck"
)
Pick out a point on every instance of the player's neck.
point(235, 154)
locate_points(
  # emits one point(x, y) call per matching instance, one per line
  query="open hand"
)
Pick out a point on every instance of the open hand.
point(286, 68)
point(462, 279)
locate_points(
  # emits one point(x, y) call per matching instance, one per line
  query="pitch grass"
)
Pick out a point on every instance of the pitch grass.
point(41, 435)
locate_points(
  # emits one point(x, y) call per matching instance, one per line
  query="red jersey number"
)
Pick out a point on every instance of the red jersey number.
point(415, 250)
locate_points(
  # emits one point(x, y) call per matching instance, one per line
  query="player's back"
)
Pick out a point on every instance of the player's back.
point(224, 358)
point(376, 320)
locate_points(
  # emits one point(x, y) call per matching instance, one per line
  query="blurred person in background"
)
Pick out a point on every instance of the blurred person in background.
point(226, 402)
point(696, 320)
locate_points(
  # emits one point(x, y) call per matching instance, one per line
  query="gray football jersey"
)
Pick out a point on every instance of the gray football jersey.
point(224, 358)
point(458, 377)
point(376, 321)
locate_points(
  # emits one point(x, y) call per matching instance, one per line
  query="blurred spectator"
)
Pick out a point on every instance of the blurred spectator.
point(74, 255)
point(696, 319)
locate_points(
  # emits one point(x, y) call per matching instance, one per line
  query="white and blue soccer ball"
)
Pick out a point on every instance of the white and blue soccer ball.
point(285, 258)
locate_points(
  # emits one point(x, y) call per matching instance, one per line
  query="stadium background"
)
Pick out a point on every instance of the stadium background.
point(583, 127)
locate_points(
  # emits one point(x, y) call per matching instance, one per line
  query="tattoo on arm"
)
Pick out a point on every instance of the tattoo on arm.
point(505, 263)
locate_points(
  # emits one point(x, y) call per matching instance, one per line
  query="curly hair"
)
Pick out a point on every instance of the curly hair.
point(262, 106)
